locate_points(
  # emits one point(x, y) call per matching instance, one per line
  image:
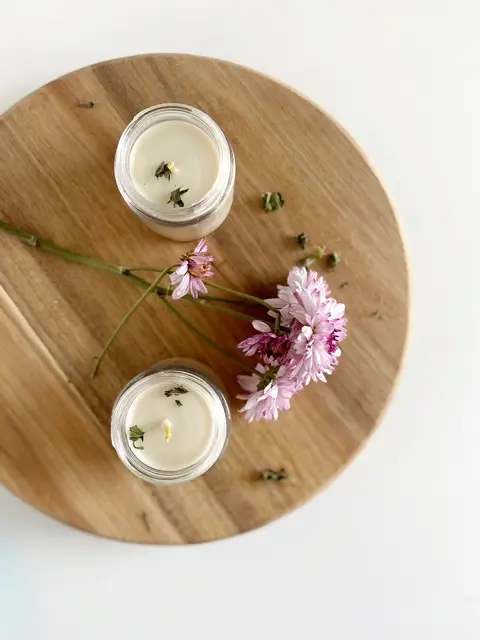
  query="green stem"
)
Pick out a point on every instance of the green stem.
point(216, 307)
point(208, 340)
point(125, 272)
point(245, 296)
point(126, 318)
point(143, 268)
point(72, 256)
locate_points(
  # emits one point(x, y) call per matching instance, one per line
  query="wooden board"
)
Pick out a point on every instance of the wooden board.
point(56, 180)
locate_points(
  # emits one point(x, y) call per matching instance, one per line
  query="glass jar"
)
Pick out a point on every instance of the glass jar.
point(198, 219)
point(171, 374)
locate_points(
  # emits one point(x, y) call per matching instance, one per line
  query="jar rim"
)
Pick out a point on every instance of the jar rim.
point(197, 211)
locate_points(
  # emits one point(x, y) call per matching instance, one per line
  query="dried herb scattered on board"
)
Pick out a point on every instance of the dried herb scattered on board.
point(272, 200)
point(333, 260)
point(85, 105)
point(312, 257)
point(136, 434)
point(274, 476)
point(302, 240)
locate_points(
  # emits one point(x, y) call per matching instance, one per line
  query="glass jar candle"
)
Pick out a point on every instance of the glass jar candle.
point(170, 424)
point(201, 161)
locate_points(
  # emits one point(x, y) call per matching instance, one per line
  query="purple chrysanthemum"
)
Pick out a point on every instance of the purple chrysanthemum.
point(304, 350)
point(268, 393)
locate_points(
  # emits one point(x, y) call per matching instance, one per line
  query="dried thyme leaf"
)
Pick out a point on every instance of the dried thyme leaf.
point(272, 200)
point(176, 391)
point(333, 260)
point(312, 257)
point(344, 284)
point(135, 434)
point(176, 197)
point(274, 476)
point(85, 105)
point(179, 403)
point(302, 240)
point(165, 170)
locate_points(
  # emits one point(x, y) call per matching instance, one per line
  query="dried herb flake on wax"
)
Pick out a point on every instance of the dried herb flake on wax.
point(165, 170)
point(176, 391)
point(176, 197)
point(136, 434)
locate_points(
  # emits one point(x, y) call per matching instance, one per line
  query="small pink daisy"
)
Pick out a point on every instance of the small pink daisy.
point(194, 267)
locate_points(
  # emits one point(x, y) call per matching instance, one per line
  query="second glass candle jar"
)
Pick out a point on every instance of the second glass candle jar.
point(202, 162)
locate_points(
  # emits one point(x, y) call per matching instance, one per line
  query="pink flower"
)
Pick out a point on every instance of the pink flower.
point(300, 281)
point(307, 351)
point(316, 345)
point(266, 343)
point(267, 394)
point(194, 267)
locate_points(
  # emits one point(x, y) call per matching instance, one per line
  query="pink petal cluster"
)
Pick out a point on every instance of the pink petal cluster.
point(305, 348)
point(194, 267)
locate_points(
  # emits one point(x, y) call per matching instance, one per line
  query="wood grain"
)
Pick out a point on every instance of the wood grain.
point(56, 180)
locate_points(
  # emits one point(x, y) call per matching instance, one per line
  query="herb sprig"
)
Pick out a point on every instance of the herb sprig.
point(274, 476)
point(176, 197)
point(136, 434)
point(165, 170)
point(302, 240)
point(272, 200)
point(176, 391)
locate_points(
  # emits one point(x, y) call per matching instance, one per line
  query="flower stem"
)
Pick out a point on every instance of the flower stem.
point(216, 307)
point(50, 247)
point(126, 318)
point(245, 296)
point(124, 272)
point(208, 340)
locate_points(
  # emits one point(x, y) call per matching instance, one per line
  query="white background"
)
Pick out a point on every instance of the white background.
point(391, 550)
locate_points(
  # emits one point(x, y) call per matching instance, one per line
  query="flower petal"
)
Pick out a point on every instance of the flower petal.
point(182, 288)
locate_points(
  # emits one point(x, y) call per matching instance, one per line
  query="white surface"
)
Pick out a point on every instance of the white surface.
point(390, 550)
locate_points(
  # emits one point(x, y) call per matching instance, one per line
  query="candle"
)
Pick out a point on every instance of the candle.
point(194, 195)
point(170, 424)
point(192, 153)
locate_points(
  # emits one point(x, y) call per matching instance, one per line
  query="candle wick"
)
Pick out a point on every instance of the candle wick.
point(167, 427)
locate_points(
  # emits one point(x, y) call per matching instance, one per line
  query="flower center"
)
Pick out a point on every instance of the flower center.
point(332, 341)
point(267, 377)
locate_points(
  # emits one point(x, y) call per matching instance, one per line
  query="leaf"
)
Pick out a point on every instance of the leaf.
point(302, 240)
point(176, 391)
point(176, 197)
point(272, 200)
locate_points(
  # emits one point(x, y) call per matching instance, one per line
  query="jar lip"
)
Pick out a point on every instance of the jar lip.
point(197, 211)
point(139, 384)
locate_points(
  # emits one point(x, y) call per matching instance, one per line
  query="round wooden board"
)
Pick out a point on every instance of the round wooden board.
point(56, 180)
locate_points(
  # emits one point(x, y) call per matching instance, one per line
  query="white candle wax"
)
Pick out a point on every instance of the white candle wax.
point(189, 415)
point(188, 147)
